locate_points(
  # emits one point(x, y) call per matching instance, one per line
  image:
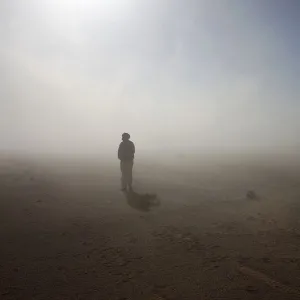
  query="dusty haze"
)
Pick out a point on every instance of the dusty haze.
point(181, 77)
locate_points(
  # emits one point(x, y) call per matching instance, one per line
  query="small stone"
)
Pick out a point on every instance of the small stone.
point(251, 195)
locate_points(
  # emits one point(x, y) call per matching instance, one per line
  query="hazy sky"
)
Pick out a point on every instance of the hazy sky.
point(75, 74)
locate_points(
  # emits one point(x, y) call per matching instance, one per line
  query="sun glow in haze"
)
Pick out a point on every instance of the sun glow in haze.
point(104, 9)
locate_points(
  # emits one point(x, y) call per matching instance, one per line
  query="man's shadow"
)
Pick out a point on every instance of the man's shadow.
point(143, 202)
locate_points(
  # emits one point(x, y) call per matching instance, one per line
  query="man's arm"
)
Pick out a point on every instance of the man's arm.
point(119, 152)
point(133, 148)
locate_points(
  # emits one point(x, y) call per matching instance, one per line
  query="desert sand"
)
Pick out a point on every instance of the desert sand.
point(191, 230)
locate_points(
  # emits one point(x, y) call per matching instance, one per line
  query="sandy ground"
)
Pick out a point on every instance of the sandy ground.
point(187, 232)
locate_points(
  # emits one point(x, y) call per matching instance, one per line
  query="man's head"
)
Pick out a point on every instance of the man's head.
point(125, 136)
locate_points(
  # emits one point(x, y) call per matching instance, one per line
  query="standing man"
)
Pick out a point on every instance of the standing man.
point(126, 156)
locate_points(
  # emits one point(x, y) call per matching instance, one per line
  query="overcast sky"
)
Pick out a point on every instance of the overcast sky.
point(75, 74)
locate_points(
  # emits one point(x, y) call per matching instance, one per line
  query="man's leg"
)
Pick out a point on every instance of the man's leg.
point(123, 178)
point(129, 174)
